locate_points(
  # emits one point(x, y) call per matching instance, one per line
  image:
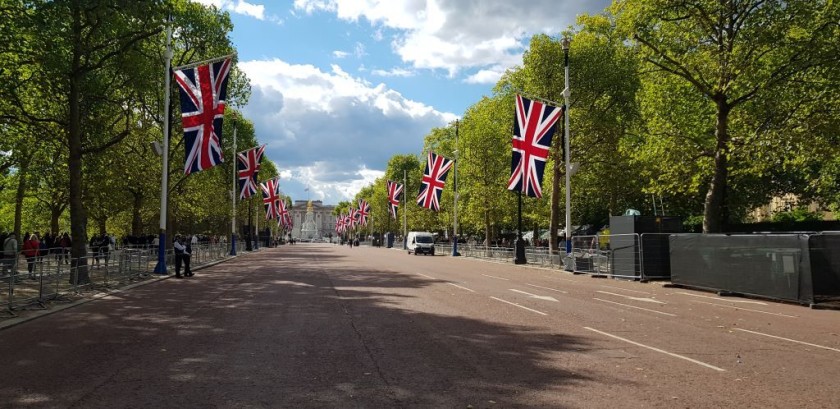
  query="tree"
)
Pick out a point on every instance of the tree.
point(731, 53)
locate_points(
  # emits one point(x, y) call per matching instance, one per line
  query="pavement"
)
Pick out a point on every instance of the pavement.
point(325, 326)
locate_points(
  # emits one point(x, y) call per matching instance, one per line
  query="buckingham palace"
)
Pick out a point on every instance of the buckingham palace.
point(312, 220)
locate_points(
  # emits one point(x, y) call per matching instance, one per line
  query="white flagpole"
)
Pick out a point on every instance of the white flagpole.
point(233, 197)
point(405, 211)
point(164, 183)
point(566, 97)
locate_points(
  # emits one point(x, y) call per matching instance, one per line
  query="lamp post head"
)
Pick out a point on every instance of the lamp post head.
point(566, 41)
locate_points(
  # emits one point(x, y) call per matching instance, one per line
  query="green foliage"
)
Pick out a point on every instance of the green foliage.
point(799, 214)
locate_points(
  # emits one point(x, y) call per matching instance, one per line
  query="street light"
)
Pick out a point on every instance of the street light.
point(566, 95)
point(455, 209)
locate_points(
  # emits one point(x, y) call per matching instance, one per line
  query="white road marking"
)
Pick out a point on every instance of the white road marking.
point(548, 288)
point(746, 309)
point(463, 288)
point(562, 279)
point(426, 276)
point(625, 289)
point(499, 278)
point(520, 306)
point(633, 306)
point(789, 340)
point(718, 298)
point(632, 298)
point(539, 297)
point(657, 349)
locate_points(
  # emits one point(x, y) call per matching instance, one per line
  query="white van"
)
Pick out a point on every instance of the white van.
point(420, 242)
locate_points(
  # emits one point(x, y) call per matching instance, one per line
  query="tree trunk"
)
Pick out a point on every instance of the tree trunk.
point(78, 216)
point(21, 191)
point(55, 214)
point(136, 217)
point(713, 211)
point(102, 223)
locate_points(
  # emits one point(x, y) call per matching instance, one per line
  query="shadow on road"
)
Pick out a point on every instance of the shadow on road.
point(291, 327)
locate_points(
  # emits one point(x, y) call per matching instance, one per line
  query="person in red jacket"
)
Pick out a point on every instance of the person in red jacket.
point(30, 250)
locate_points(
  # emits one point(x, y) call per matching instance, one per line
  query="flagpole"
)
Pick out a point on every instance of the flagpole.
point(405, 211)
point(233, 196)
point(257, 228)
point(164, 179)
point(455, 208)
point(519, 245)
point(566, 96)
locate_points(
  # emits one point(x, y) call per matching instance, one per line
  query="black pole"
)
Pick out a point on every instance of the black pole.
point(249, 238)
point(519, 244)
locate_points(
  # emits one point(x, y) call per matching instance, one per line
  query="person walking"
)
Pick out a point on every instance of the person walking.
point(179, 255)
point(31, 247)
point(10, 254)
point(65, 244)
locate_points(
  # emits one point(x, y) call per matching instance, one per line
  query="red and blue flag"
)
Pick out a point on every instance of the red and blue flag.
point(248, 165)
point(533, 128)
point(271, 198)
point(394, 190)
point(363, 212)
point(433, 180)
point(203, 95)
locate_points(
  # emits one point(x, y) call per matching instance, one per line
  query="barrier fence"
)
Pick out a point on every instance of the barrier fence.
point(30, 282)
point(629, 256)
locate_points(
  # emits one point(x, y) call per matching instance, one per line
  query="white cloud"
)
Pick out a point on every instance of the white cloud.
point(487, 76)
point(256, 11)
point(394, 72)
point(329, 130)
point(454, 35)
point(340, 54)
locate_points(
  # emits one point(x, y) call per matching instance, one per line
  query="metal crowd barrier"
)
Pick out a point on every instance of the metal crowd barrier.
point(31, 282)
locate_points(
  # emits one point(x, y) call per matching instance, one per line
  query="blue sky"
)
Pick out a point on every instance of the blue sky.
point(338, 87)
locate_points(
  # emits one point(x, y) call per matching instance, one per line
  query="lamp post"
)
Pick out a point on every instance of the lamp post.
point(455, 208)
point(233, 196)
point(160, 268)
point(566, 95)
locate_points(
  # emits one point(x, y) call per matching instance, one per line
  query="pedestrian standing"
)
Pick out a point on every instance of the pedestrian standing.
point(187, 256)
point(179, 255)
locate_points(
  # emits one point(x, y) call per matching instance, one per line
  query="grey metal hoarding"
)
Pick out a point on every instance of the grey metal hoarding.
point(768, 265)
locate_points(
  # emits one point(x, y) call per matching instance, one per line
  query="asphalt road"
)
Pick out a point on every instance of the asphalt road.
point(322, 326)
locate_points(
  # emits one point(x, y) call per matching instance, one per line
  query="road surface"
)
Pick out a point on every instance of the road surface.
point(324, 326)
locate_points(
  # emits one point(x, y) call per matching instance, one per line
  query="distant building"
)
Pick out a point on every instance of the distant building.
point(321, 224)
point(785, 203)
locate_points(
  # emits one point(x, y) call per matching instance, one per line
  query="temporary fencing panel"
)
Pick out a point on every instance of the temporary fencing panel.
point(769, 265)
point(825, 265)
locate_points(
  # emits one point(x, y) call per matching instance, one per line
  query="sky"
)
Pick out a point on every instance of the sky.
point(339, 87)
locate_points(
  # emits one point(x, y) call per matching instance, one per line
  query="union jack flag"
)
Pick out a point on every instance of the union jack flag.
point(271, 198)
point(283, 217)
point(434, 177)
point(339, 223)
point(363, 212)
point(348, 221)
point(394, 190)
point(248, 166)
point(533, 128)
point(354, 217)
point(203, 94)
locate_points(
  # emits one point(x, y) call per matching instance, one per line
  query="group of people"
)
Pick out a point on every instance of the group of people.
point(34, 248)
